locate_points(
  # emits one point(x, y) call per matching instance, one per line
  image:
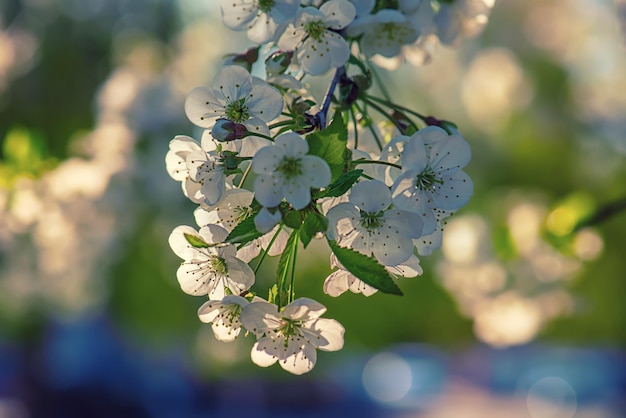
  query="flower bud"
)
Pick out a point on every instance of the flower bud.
point(226, 130)
point(277, 63)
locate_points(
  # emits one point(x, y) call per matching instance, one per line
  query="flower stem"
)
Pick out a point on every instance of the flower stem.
point(267, 250)
point(379, 81)
point(294, 256)
point(357, 162)
point(322, 114)
point(385, 114)
point(392, 105)
point(371, 129)
point(356, 127)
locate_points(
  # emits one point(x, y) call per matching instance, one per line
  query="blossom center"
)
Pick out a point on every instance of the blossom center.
point(289, 327)
point(315, 29)
point(371, 220)
point(290, 167)
point(427, 179)
point(218, 266)
point(242, 213)
point(237, 111)
point(266, 5)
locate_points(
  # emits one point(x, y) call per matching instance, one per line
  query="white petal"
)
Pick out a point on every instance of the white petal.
point(232, 83)
point(304, 309)
point(180, 245)
point(316, 171)
point(455, 191)
point(240, 274)
point(292, 144)
point(209, 310)
point(297, 192)
point(451, 153)
point(313, 57)
point(371, 196)
point(267, 159)
point(393, 250)
point(213, 234)
point(414, 155)
point(300, 359)
point(260, 317)
point(338, 13)
point(331, 331)
point(237, 14)
point(265, 220)
point(268, 190)
point(264, 352)
point(336, 283)
point(264, 102)
point(203, 107)
point(175, 159)
point(195, 278)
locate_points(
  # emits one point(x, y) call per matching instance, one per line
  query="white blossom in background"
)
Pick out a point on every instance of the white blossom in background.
point(285, 170)
point(368, 223)
point(432, 176)
point(317, 47)
point(223, 316)
point(383, 33)
point(292, 336)
point(236, 96)
point(212, 269)
point(260, 18)
point(462, 19)
point(341, 280)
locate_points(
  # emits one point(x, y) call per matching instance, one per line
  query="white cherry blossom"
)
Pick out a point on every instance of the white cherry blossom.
point(368, 223)
point(209, 270)
point(383, 33)
point(236, 96)
point(233, 209)
point(285, 170)
point(317, 47)
point(261, 18)
point(291, 337)
point(431, 175)
point(223, 316)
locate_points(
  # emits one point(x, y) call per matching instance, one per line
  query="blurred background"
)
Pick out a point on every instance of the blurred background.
point(520, 314)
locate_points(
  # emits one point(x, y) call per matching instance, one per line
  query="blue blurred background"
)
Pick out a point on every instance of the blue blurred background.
point(520, 314)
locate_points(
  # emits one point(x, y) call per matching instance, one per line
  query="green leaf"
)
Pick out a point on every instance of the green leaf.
point(330, 145)
point(273, 295)
point(366, 268)
point(342, 184)
point(313, 223)
point(283, 267)
point(293, 219)
point(244, 232)
point(196, 241)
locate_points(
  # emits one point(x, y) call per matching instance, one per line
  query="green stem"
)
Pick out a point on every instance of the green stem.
point(292, 288)
point(371, 129)
point(379, 81)
point(267, 250)
point(357, 162)
point(281, 123)
point(250, 133)
point(385, 114)
point(603, 214)
point(356, 127)
point(245, 175)
point(392, 105)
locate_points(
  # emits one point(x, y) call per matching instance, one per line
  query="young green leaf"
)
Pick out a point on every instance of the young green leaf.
point(313, 223)
point(365, 268)
point(196, 241)
point(330, 145)
point(244, 232)
point(342, 184)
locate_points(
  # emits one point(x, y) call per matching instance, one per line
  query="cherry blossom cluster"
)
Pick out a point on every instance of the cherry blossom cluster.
point(274, 169)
